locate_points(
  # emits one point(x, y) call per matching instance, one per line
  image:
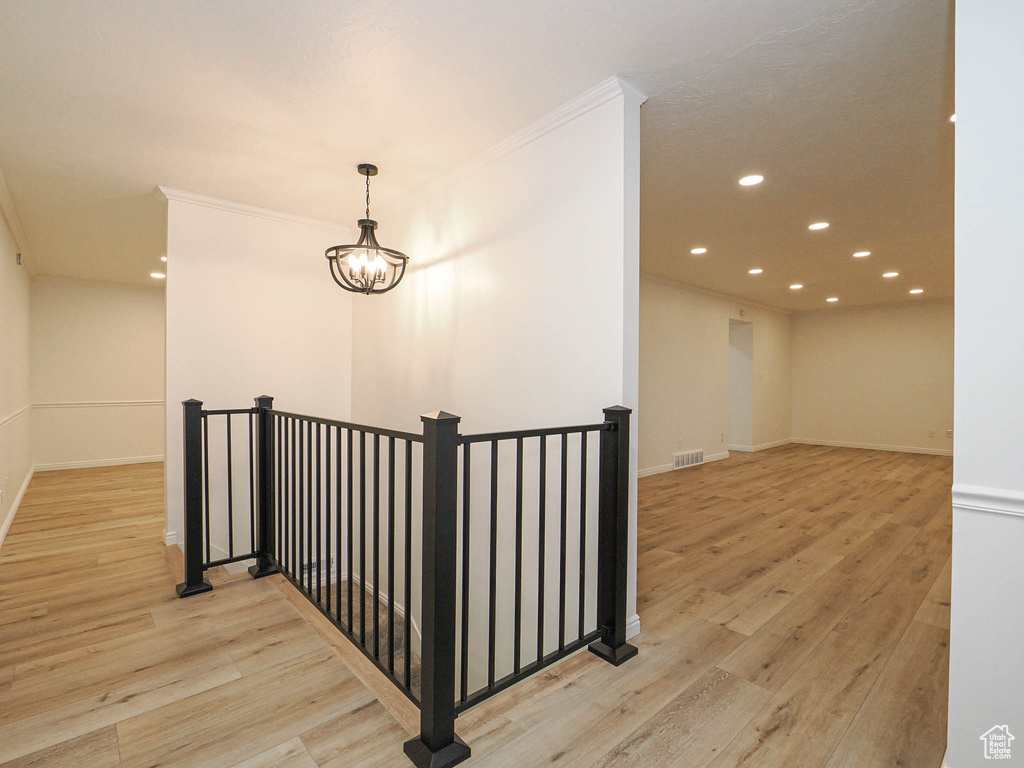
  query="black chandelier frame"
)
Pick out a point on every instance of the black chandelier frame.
point(367, 279)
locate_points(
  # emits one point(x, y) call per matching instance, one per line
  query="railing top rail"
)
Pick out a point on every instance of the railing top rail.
point(410, 436)
point(229, 411)
point(488, 437)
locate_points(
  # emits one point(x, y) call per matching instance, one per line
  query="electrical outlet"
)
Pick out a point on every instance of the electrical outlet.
point(721, 439)
point(679, 443)
point(931, 433)
point(949, 433)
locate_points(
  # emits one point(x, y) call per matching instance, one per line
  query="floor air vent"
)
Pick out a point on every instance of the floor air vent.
point(687, 459)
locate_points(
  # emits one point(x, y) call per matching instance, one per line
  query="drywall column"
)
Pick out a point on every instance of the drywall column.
point(986, 666)
point(251, 310)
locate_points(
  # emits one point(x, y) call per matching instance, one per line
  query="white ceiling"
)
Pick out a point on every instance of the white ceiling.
point(842, 105)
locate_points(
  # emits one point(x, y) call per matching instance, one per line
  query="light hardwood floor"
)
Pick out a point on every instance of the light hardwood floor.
point(794, 606)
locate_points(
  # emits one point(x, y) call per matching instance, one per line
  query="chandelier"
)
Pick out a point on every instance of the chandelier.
point(366, 267)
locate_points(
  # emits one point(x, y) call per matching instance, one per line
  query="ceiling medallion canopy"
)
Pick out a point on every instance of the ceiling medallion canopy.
point(366, 267)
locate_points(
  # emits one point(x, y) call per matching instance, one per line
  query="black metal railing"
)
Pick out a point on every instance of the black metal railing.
point(481, 532)
point(342, 518)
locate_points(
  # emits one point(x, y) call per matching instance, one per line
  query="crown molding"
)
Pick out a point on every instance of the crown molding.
point(10, 214)
point(600, 94)
point(168, 194)
point(667, 281)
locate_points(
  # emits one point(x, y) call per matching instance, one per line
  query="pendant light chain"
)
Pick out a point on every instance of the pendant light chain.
point(367, 195)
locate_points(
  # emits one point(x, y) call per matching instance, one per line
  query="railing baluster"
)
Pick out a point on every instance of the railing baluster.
point(391, 554)
point(279, 509)
point(206, 482)
point(338, 543)
point(518, 640)
point(231, 518)
point(376, 546)
point(466, 506)
point(285, 495)
point(407, 651)
point(252, 487)
point(293, 484)
point(583, 532)
point(326, 567)
point(562, 543)
point(308, 562)
point(348, 493)
point(493, 594)
point(541, 535)
point(319, 522)
point(362, 539)
point(300, 566)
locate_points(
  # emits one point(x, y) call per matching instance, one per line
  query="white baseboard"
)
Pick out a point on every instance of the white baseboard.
point(170, 538)
point(874, 447)
point(669, 468)
point(633, 627)
point(97, 463)
point(6, 525)
point(761, 447)
point(654, 470)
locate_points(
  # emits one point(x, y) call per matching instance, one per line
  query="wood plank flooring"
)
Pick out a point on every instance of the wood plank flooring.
point(794, 606)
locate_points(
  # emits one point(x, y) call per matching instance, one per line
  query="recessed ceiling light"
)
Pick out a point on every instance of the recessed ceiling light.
point(952, 118)
point(749, 181)
point(917, 290)
point(796, 286)
point(819, 225)
point(755, 271)
point(832, 298)
point(157, 275)
point(891, 274)
point(698, 251)
point(163, 258)
point(861, 254)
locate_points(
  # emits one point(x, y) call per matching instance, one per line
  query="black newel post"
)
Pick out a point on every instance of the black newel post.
point(194, 582)
point(437, 745)
point(265, 494)
point(613, 539)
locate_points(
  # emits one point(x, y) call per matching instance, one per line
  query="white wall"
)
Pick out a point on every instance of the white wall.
point(97, 355)
point(15, 413)
point(251, 310)
point(520, 306)
point(684, 373)
point(741, 385)
point(877, 377)
point(986, 666)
